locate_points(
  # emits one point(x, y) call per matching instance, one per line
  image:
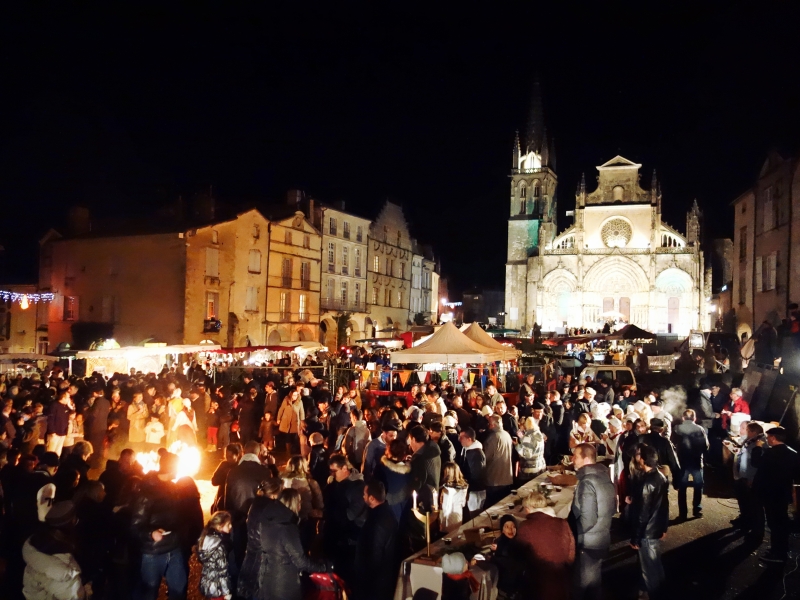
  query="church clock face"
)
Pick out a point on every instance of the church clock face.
point(616, 233)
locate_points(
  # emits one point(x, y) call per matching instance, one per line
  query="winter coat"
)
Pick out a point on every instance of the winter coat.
point(690, 442)
point(137, 415)
point(215, 578)
point(372, 457)
point(290, 416)
point(396, 478)
point(550, 548)
point(498, 448)
point(318, 465)
point(355, 442)
point(776, 469)
point(665, 449)
point(58, 419)
point(473, 465)
point(51, 571)
point(345, 511)
point(650, 508)
point(426, 469)
point(531, 455)
point(240, 488)
point(262, 510)
point(157, 506)
point(593, 506)
point(284, 559)
point(377, 559)
point(220, 479)
point(310, 496)
point(446, 449)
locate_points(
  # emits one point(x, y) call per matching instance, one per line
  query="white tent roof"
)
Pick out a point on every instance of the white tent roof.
point(476, 333)
point(135, 351)
point(448, 346)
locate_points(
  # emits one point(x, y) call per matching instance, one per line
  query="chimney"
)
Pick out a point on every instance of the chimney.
point(312, 215)
point(341, 205)
point(204, 208)
point(294, 197)
point(79, 220)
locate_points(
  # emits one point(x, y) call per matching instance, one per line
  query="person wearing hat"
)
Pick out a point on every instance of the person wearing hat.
point(51, 570)
point(377, 448)
point(667, 459)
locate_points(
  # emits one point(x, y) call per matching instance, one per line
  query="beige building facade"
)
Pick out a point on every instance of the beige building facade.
point(344, 272)
point(20, 321)
point(766, 265)
point(293, 280)
point(389, 260)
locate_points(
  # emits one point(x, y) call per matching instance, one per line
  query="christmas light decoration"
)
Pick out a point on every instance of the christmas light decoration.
point(25, 299)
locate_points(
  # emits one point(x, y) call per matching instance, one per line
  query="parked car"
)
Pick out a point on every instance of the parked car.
point(622, 374)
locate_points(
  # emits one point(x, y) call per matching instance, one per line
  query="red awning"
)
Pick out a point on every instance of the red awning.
point(575, 339)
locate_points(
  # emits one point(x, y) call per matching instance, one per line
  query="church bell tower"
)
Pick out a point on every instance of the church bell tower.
point(532, 214)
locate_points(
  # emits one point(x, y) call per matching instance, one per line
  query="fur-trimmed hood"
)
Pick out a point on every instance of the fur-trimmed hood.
point(400, 468)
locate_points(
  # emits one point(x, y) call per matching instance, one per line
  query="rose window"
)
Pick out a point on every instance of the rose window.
point(616, 233)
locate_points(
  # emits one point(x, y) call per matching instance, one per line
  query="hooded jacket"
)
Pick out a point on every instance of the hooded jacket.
point(473, 464)
point(215, 579)
point(498, 449)
point(593, 507)
point(355, 442)
point(283, 557)
point(51, 571)
point(396, 477)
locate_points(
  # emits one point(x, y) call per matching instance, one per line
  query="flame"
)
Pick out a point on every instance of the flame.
point(188, 459)
point(23, 302)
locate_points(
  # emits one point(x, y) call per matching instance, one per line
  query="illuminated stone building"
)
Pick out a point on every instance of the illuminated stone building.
point(618, 259)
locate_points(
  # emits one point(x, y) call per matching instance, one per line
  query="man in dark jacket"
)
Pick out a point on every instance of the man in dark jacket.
point(446, 449)
point(664, 448)
point(376, 559)
point(156, 521)
point(345, 513)
point(777, 468)
point(650, 518)
point(240, 489)
point(692, 443)
point(426, 465)
point(96, 425)
point(58, 422)
point(472, 461)
point(593, 507)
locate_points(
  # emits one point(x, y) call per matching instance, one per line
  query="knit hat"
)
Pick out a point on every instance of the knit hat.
point(486, 411)
point(49, 459)
point(505, 519)
point(590, 392)
point(61, 514)
point(454, 564)
point(615, 422)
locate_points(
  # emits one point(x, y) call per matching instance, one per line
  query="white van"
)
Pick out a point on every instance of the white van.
point(622, 374)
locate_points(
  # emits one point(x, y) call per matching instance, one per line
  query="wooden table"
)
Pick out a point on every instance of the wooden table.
point(418, 572)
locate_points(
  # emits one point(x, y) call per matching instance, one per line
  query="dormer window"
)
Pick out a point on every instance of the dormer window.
point(617, 193)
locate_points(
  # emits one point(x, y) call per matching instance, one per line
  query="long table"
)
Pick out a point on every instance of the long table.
point(423, 574)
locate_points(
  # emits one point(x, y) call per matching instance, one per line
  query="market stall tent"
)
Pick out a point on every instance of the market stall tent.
point(447, 346)
point(476, 333)
point(631, 332)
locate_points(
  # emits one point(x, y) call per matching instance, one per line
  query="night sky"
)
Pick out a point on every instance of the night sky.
point(122, 111)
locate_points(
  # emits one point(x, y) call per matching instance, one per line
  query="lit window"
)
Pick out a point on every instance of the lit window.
point(303, 310)
point(375, 295)
point(212, 305)
point(376, 264)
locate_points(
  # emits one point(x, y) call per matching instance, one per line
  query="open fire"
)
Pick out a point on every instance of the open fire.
point(188, 459)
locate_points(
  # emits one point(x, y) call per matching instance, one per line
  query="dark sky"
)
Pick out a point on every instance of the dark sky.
point(122, 110)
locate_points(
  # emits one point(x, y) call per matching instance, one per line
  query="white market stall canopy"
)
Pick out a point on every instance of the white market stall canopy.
point(476, 333)
point(147, 359)
point(11, 356)
point(447, 346)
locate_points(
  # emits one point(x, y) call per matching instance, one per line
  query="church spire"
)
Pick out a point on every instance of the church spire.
point(552, 153)
point(533, 138)
point(515, 152)
point(653, 188)
point(545, 150)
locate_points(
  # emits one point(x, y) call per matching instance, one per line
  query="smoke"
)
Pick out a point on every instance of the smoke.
point(674, 400)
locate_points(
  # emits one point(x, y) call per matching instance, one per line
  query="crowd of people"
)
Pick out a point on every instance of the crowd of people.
point(328, 484)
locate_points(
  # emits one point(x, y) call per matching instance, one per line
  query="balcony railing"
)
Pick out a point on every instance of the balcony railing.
point(280, 281)
point(524, 171)
point(291, 317)
point(337, 304)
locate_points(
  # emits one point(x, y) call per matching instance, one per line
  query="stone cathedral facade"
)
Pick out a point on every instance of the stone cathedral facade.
point(618, 259)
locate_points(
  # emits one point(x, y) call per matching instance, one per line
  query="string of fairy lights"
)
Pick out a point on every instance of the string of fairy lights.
point(25, 299)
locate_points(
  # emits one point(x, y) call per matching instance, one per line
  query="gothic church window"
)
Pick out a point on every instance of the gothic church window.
point(537, 190)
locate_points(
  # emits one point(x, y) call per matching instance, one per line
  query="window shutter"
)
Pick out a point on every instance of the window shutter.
point(212, 262)
point(759, 275)
point(772, 264)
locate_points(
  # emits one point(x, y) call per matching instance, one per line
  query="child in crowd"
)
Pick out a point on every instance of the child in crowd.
point(153, 433)
point(74, 431)
point(506, 552)
point(213, 549)
point(212, 426)
point(267, 431)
